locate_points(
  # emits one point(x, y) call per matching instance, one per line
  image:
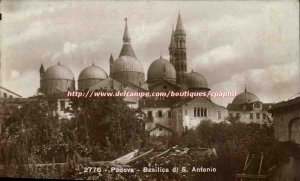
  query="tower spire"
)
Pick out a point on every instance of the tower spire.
point(179, 52)
point(126, 37)
point(126, 49)
point(179, 26)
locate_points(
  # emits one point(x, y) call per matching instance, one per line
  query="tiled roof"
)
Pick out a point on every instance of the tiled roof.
point(186, 100)
point(10, 91)
point(148, 102)
point(164, 81)
point(290, 104)
point(181, 102)
point(160, 126)
point(59, 95)
point(135, 87)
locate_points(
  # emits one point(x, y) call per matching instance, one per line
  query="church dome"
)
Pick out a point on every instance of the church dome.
point(195, 80)
point(161, 69)
point(244, 98)
point(127, 64)
point(92, 72)
point(58, 72)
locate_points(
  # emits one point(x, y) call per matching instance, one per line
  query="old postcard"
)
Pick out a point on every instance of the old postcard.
point(150, 90)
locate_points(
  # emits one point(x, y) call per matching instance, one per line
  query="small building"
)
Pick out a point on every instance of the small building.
point(158, 112)
point(160, 130)
point(61, 105)
point(8, 99)
point(247, 108)
point(286, 116)
point(287, 120)
point(6, 93)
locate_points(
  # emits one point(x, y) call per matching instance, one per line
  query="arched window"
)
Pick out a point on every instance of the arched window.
point(205, 112)
point(202, 112)
point(198, 112)
point(294, 130)
point(195, 111)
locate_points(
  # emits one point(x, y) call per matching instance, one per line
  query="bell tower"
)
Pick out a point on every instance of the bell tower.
point(179, 51)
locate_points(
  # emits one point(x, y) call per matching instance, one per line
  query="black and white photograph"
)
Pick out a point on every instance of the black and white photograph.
point(150, 90)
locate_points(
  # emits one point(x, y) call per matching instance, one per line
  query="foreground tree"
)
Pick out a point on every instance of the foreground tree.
point(233, 140)
point(32, 135)
point(109, 125)
point(101, 129)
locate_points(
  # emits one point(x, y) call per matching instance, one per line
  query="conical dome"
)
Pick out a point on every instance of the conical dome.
point(161, 69)
point(127, 49)
point(127, 68)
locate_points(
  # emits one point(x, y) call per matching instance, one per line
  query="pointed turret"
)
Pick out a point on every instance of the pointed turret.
point(111, 58)
point(42, 70)
point(111, 62)
point(126, 49)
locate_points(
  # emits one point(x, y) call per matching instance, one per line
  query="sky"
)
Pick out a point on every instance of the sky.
point(232, 43)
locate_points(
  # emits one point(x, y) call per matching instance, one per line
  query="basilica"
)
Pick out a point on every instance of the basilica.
point(165, 116)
